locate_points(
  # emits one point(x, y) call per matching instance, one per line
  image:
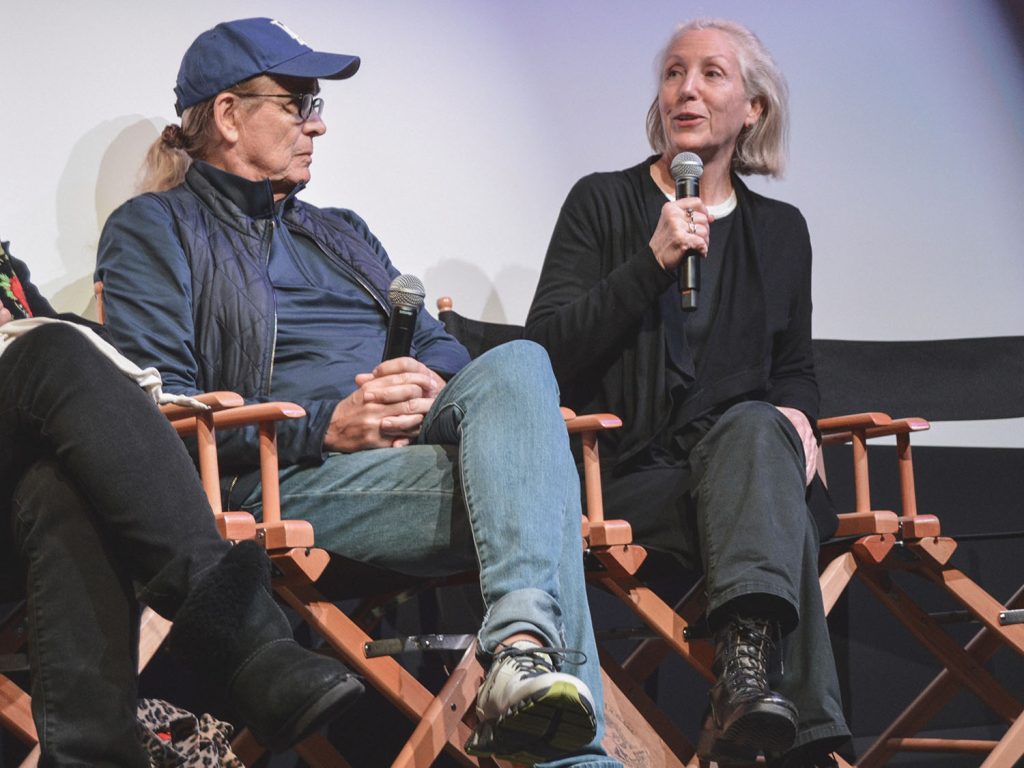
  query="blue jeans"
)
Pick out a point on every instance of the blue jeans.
point(491, 485)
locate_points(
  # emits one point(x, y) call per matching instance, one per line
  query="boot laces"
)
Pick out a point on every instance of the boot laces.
point(749, 644)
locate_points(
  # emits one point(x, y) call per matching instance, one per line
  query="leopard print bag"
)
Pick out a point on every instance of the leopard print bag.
point(176, 738)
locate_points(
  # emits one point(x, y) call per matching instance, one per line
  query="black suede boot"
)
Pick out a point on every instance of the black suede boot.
point(745, 717)
point(232, 632)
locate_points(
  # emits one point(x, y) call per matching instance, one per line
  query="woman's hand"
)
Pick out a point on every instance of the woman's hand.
point(5, 315)
point(807, 438)
point(683, 225)
point(387, 408)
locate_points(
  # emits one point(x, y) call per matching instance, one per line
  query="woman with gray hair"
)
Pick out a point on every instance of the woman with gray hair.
point(714, 379)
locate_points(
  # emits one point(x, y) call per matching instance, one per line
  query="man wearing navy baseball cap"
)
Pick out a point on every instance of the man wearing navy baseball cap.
point(425, 464)
point(237, 50)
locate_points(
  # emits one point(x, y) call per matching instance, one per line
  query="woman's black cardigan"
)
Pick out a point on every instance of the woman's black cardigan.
point(596, 310)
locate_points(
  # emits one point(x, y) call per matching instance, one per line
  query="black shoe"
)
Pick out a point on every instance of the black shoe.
point(285, 692)
point(231, 632)
point(745, 717)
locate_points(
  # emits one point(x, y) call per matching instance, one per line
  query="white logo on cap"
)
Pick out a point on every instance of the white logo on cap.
point(288, 32)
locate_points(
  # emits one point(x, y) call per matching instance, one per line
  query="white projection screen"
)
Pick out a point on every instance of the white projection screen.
point(470, 120)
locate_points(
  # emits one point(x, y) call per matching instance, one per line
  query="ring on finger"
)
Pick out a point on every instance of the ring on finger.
point(693, 228)
point(689, 213)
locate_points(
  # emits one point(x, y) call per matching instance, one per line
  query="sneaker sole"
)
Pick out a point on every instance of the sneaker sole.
point(551, 723)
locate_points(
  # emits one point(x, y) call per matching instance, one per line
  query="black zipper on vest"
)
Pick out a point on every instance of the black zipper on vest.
point(349, 270)
point(273, 297)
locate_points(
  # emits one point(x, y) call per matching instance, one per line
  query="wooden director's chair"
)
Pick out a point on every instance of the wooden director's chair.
point(443, 721)
point(297, 566)
point(879, 547)
point(869, 543)
point(944, 380)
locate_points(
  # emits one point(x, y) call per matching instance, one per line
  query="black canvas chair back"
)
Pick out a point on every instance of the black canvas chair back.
point(976, 492)
point(943, 380)
point(477, 336)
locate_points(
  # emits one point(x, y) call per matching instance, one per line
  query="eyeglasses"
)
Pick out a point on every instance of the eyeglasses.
point(307, 103)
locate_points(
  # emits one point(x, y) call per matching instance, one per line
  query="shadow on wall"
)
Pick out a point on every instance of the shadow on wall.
point(101, 173)
point(1013, 11)
point(478, 296)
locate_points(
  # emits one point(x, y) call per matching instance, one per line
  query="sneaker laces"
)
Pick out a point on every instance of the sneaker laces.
point(540, 659)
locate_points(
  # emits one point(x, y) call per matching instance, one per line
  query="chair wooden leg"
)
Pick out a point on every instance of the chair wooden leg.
point(652, 716)
point(980, 603)
point(642, 662)
point(16, 712)
point(835, 578)
point(32, 760)
point(384, 673)
point(15, 703)
point(660, 617)
point(629, 737)
point(317, 752)
point(246, 748)
point(443, 714)
point(1010, 749)
point(932, 699)
point(930, 634)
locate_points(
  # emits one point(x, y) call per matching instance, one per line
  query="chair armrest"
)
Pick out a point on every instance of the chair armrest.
point(902, 426)
point(841, 429)
point(853, 421)
point(857, 429)
point(596, 530)
point(243, 415)
point(592, 422)
point(225, 414)
point(259, 413)
point(273, 532)
point(217, 401)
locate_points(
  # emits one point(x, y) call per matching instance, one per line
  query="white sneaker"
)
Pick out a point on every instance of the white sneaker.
point(528, 711)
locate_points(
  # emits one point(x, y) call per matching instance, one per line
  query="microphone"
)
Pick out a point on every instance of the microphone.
point(406, 295)
point(687, 168)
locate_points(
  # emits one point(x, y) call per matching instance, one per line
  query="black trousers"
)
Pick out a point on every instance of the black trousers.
point(734, 508)
point(103, 503)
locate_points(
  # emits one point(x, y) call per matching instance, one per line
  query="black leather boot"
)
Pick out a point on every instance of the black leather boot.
point(745, 717)
point(232, 632)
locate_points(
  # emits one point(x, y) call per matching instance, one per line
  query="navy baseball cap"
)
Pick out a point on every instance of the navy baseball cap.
point(234, 51)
